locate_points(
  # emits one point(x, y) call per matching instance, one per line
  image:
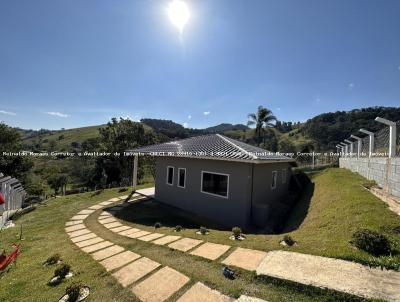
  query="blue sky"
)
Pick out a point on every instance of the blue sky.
point(75, 63)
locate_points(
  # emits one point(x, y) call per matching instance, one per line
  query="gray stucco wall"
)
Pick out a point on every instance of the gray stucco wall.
point(231, 211)
point(236, 210)
point(268, 202)
point(385, 171)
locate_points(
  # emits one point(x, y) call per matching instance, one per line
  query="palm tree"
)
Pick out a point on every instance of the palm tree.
point(262, 119)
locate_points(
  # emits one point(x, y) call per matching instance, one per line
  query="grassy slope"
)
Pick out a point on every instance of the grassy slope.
point(338, 207)
point(44, 235)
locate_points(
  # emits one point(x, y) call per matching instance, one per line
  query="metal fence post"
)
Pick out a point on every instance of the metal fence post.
point(351, 146)
point(359, 144)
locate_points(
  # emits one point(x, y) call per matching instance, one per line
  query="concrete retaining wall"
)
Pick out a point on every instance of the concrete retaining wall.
point(385, 171)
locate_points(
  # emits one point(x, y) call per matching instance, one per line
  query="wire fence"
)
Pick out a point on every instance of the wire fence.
point(380, 142)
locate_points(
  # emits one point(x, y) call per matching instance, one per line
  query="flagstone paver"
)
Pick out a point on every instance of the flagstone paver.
point(107, 220)
point(104, 213)
point(75, 227)
point(166, 239)
point(97, 246)
point(73, 222)
point(79, 217)
point(84, 237)
point(244, 298)
point(85, 212)
point(210, 250)
point(137, 234)
point(151, 237)
point(104, 217)
point(119, 260)
point(201, 293)
point(128, 232)
point(88, 242)
point(245, 258)
point(114, 199)
point(105, 203)
point(185, 244)
point(135, 271)
point(120, 229)
point(160, 286)
point(123, 197)
point(332, 273)
point(79, 233)
point(112, 225)
point(96, 207)
point(107, 252)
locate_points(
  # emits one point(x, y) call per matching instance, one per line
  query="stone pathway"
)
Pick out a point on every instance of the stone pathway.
point(340, 275)
point(147, 279)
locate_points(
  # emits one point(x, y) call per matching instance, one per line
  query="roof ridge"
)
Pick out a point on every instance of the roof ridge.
point(236, 146)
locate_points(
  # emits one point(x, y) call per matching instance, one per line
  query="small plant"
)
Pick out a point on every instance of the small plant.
point(289, 240)
point(369, 184)
point(73, 291)
point(372, 242)
point(203, 230)
point(62, 271)
point(157, 225)
point(236, 231)
point(53, 259)
point(178, 228)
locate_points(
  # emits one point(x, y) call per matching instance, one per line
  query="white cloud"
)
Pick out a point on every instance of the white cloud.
point(206, 112)
point(59, 114)
point(279, 109)
point(189, 117)
point(185, 125)
point(7, 112)
point(351, 86)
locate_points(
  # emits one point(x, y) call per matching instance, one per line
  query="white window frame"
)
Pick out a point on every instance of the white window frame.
point(212, 194)
point(179, 178)
point(173, 174)
point(273, 185)
point(284, 175)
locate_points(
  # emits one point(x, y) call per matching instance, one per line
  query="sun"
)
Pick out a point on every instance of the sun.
point(179, 14)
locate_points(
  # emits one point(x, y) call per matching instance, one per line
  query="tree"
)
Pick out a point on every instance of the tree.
point(57, 182)
point(286, 146)
point(13, 165)
point(117, 137)
point(262, 119)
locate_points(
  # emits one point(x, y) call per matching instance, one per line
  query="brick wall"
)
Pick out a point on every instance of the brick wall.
point(385, 171)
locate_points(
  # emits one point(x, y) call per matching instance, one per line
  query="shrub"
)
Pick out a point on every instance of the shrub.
point(203, 230)
point(157, 225)
point(372, 242)
point(73, 291)
point(289, 240)
point(178, 228)
point(236, 231)
point(53, 259)
point(62, 271)
point(123, 190)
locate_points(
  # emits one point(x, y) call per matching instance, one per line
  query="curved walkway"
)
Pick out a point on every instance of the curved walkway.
point(147, 279)
point(339, 275)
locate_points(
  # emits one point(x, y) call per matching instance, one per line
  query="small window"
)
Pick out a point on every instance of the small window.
point(215, 183)
point(284, 176)
point(273, 180)
point(181, 177)
point(170, 175)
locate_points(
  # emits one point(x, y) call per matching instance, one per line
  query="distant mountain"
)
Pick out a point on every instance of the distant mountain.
point(226, 127)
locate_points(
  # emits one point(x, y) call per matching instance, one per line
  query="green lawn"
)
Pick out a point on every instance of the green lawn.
point(338, 207)
point(333, 207)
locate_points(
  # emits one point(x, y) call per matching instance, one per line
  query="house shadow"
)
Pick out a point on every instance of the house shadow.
point(300, 210)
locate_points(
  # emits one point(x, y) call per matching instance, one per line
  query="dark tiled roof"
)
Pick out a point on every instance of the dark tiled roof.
point(213, 146)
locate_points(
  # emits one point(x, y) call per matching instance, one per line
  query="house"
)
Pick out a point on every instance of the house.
point(222, 179)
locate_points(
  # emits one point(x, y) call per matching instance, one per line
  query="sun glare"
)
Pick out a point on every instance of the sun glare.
point(179, 14)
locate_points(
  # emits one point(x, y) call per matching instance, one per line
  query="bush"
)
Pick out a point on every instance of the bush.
point(157, 225)
point(372, 242)
point(73, 291)
point(236, 231)
point(123, 190)
point(53, 259)
point(289, 240)
point(62, 271)
point(178, 228)
point(203, 230)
